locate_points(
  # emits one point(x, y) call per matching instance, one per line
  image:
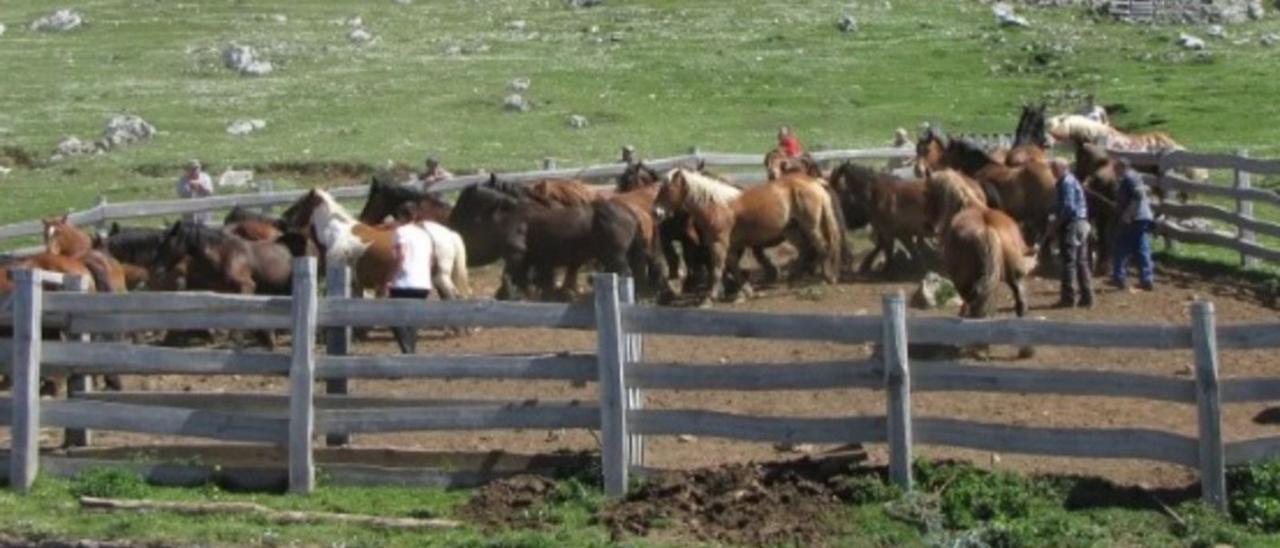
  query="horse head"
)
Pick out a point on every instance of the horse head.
point(930, 147)
point(172, 248)
point(671, 197)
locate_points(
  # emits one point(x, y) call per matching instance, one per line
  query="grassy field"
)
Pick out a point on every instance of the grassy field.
point(660, 74)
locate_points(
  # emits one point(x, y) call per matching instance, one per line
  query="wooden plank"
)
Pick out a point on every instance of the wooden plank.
point(126, 323)
point(1184, 158)
point(1137, 159)
point(610, 353)
point(952, 376)
point(337, 283)
point(166, 302)
point(1208, 238)
point(118, 358)
point(1244, 208)
point(495, 416)
point(1176, 183)
point(577, 368)
point(1111, 443)
point(1024, 332)
point(36, 228)
point(78, 385)
point(1250, 390)
point(169, 421)
point(6, 411)
point(832, 430)
point(897, 383)
point(634, 347)
point(271, 405)
point(719, 323)
point(382, 312)
point(24, 421)
point(1213, 472)
point(1209, 211)
point(302, 378)
point(171, 474)
point(1251, 451)
point(757, 376)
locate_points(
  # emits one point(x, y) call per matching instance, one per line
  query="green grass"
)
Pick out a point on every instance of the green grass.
point(720, 74)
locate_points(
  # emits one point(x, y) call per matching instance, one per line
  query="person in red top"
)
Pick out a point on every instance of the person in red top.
point(788, 142)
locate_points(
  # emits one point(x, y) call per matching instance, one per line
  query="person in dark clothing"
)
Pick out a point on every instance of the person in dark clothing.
point(1071, 216)
point(1137, 220)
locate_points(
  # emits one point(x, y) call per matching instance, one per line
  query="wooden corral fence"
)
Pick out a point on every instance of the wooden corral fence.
point(104, 213)
point(1245, 226)
point(618, 367)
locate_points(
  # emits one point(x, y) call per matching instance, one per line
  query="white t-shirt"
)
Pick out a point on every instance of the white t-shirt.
point(195, 187)
point(415, 246)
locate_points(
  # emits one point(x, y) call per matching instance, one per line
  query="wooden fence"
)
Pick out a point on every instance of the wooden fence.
point(105, 212)
point(619, 369)
point(1246, 227)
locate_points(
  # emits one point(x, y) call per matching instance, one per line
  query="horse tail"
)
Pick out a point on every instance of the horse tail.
point(100, 272)
point(991, 260)
point(461, 279)
point(834, 232)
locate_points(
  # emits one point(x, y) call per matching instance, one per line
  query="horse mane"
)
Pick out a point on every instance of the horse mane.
point(706, 190)
point(1080, 128)
point(952, 189)
point(514, 190)
point(334, 207)
point(1031, 127)
point(968, 154)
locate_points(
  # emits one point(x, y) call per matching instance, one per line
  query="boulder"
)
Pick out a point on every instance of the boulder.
point(1255, 10)
point(1190, 42)
point(125, 129)
point(2, 30)
point(58, 21)
point(73, 146)
point(847, 24)
point(235, 178)
point(1005, 17)
point(577, 121)
point(519, 85)
point(245, 126)
point(1270, 39)
point(516, 103)
point(934, 291)
point(359, 35)
point(244, 60)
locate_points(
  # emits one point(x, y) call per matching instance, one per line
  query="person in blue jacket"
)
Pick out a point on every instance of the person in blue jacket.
point(1071, 219)
point(1137, 220)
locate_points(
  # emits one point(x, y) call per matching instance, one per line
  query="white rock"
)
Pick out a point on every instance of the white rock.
point(72, 146)
point(1190, 42)
point(235, 178)
point(1270, 39)
point(1216, 31)
point(246, 126)
point(280, 18)
point(1005, 16)
point(928, 294)
point(58, 21)
point(517, 25)
point(516, 102)
point(848, 24)
point(519, 85)
point(2, 29)
point(244, 60)
point(124, 129)
point(404, 2)
point(1256, 11)
point(5, 171)
point(359, 35)
point(354, 21)
point(578, 121)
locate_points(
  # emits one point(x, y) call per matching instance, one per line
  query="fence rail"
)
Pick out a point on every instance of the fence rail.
point(621, 374)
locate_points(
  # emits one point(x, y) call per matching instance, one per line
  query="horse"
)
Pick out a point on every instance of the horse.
point(562, 192)
point(777, 163)
point(1030, 138)
point(894, 207)
point(63, 238)
point(1027, 193)
point(729, 220)
point(386, 197)
point(981, 247)
point(135, 248)
point(1080, 129)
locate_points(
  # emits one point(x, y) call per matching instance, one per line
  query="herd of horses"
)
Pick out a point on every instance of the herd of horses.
point(982, 214)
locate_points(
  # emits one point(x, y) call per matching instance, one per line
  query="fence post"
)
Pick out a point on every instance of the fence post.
point(897, 380)
point(1161, 169)
point(1244, 207)
point(1213, 483)
point(634, 355)
point(610, 350)
point(302, 473)
point(24, 451)
point(337, 340)
point(78, 384)
point(548, 163)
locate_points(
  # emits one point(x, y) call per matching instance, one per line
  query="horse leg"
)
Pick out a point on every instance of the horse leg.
point(870, 259)
point(770, 269)
point(717, 255)
point(569, 289)
point(1020, 308)
point(733, 270)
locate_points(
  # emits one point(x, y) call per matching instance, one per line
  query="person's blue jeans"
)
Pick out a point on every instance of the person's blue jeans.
point(1134, 241)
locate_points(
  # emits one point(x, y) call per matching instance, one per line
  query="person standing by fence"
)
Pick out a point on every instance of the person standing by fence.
point(434, 173)
point(1072, 223)
point(1137, 220)
point(412, 280)
point(789, 143)
point(195, 183)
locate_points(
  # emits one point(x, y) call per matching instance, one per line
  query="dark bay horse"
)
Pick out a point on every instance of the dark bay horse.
point(893, 207)
point(1030, 138)
point(387, 197)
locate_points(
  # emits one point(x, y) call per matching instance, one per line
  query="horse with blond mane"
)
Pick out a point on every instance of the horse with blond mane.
point(1081, 130)
point(981, 247)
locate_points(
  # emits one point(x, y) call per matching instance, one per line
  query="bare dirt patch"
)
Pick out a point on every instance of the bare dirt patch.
point(515, 503)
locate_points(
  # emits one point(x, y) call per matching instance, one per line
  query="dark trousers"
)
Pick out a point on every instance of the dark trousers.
point(1077, 264)
point(1134, 241)
point(407, 337)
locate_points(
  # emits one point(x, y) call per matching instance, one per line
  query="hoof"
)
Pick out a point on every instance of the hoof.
point(705, 303)
point(1026, 353)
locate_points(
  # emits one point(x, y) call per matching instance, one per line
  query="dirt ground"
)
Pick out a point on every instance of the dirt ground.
point(1167, 305)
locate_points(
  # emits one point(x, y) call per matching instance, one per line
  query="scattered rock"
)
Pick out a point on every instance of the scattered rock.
point(1216, 31)
point(686, 438)
point(125, 129)
point(847, 24)
point(404, 2)
point(73, 146)
point(235, 178)
point(5, 170)
point(1005, 17)
point(2, 29)
point(1197, 224)
point(1255, 10)
point(280, 18)
point(517, 25)
point(520, 85)
point(934, 291)
point(516, 102)
point(788, 447)
point(1270, 39)
point(360, 35)
point(577, 121)
point(246, 126)
point(585, 3)
point(244, 60)
point(1190, 42)
point(354, 21)
point(59, 21)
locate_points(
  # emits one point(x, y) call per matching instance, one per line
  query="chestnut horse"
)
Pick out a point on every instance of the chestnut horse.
point(981, 247)
point(777, 164)
point(794, 207)
point(894, 207)
point(562, 193)
point(65, 239)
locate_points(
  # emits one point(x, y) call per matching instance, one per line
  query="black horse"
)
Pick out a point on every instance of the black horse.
point(386, 198)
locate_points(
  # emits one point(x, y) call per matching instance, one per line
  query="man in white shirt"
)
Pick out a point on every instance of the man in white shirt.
point(195, 183)
point(413, 254)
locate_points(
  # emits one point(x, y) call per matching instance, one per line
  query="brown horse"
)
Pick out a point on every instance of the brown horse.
point(894, 207)
point(63, 238)
point(1030, 139)
point(777, 164)
point(562, 193)
point(1026, 193)
point(794, 207)
point(981, 247)
point(387, 197)
point(368, 249)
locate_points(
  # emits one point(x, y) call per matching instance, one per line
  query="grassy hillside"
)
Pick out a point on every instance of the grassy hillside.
point(661, 74)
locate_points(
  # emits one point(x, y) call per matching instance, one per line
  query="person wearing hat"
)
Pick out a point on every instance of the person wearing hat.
point(629, 155)
point(434, 173)
point(902, 139)
point(195, 183)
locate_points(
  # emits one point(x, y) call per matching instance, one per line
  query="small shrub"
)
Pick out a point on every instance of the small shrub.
point(971, 496)
point(1255, 497)
point(1204, 527)
point(865, 489)
point(109, 483)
